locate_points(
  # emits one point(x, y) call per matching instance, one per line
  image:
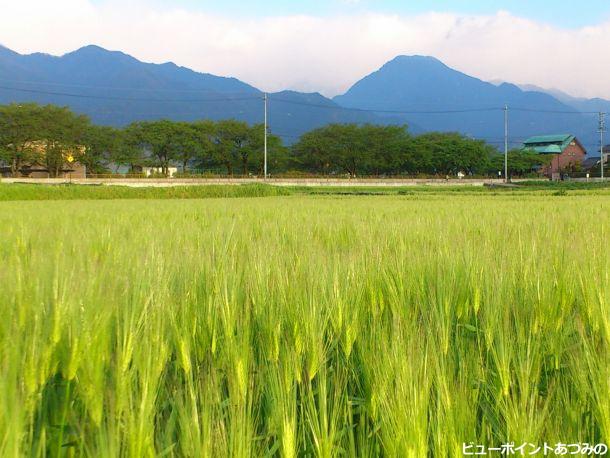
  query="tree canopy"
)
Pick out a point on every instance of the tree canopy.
point(31, 133)
point(234, 147)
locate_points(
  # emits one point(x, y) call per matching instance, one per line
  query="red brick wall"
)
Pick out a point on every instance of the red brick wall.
point(573, 154)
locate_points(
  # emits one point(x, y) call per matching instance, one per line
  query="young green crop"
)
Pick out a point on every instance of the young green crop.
point(12, 192)
point(303, 325)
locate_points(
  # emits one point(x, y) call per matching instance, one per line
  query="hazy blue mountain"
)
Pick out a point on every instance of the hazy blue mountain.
point(558, 94)
point(310, 110)
point(116, 89)
point(424, 84)
point(578, 103)
point(96, 67)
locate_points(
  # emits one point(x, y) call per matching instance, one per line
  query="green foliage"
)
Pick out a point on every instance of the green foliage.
point(167, 142)
point(231, 144)
point(370, 149)
point(450, 153)
point(351, 149)
point(520, 162)
point(44, 134)
point(102, 144)
point(237, 146)
point(19, 127)
point(234, 147)
point(63, 134)
point(75, 192)
point(397, 326)
point(163, 143)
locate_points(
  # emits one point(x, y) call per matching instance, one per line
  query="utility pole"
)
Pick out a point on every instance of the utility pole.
point(602, 129)
point(506, 143)
point(266, 98)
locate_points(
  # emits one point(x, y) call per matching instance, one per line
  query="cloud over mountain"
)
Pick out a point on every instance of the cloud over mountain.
point(310, 52)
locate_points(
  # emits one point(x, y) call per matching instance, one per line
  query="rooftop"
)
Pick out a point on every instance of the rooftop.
point(558, 138)
point(549, 144)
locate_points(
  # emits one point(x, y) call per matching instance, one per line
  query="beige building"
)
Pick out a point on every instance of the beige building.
point(37, 166)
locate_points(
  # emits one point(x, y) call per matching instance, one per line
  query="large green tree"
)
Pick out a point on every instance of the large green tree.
point(231, 144)
point(49, 134)
point(450, 153)
point(388, 147)
point(205, 135)
point(64, 134)
point(20, 127)
point(253, 156)
point(235, 145)
point(167, 142)
point(520, 162)
point(335, 148)
point(352, 149)
point(154, 137)
point(102, 145)
point(312, 152)
point(187, 142)
point(129, 152)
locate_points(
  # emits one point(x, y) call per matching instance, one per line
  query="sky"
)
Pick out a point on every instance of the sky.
point(327, 45)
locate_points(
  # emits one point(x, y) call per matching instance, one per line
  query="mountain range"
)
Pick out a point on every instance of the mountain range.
point(579, 103)
point(114, 88)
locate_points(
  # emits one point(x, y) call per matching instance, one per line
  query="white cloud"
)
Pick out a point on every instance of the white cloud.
point(309, 53)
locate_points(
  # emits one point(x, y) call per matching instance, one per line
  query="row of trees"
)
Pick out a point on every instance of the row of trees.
point(234, 147)
point(230, 144)
point(48, 135)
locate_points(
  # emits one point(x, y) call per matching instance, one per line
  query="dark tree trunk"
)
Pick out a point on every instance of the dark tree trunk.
point(15, 166)
point(164, 166)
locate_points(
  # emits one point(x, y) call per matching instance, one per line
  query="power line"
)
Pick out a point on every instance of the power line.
point(260, 97)
point(276, 99)
point(252, 93)
point(338, 107)
point(168, 112)
point(127, 99)
point(248, 96)
point(533, 110)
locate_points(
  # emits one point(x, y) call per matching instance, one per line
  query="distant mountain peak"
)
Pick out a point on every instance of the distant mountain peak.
point(414, 60)
point(428, 93)
point(97, 52)
point(115, 88)
point(7, 52)
point(405, 80)
point(91, 49)
point(309, 95)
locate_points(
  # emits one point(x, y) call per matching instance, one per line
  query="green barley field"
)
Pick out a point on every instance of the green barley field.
point(303, 325)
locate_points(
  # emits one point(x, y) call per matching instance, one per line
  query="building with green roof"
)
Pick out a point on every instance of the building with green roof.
point(566, 151)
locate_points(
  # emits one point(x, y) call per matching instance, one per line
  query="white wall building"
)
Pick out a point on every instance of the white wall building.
point(148, 171)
